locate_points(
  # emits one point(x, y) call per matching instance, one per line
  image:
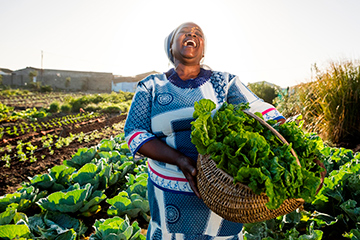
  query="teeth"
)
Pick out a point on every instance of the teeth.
point(188, 41)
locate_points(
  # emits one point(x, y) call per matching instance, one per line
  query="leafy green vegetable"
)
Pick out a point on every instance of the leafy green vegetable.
point(25, 197)
point(106, 145)
point(285, 227)
point(116, 228)
point(131, 205)
point(11, 231)
point(11, 215)
point(42, 181)
point(61, 174)
point(253, 155)
point(112, 156)
point(340, 196)
point(75, 199)
point(83, 156)
point(54, 225)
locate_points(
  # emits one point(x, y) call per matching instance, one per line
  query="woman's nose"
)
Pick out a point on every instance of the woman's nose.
point(190, 34)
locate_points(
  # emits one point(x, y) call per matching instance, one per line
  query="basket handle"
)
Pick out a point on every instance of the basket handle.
point(274, 132)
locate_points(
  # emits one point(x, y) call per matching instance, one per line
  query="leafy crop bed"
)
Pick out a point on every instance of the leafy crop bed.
point(98, 193)
point(50, 146)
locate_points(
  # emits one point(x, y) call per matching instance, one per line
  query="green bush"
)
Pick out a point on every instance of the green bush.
point(46, 88)
point(54, 107)
point(66, 108)
point(265, 91)
point(111, 109)
point(288, 102)
point(92, 107)
point(113, 102)
point(35, 86)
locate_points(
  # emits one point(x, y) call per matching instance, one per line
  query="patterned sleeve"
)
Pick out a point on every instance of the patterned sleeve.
point(138, 123)
point(239, 93)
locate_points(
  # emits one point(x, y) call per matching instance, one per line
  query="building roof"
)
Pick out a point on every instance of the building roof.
point(59, 70)
point(6, 70)
point(136, 78)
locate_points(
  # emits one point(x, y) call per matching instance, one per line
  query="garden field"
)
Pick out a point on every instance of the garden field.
point(67, 173)
point(47, 144)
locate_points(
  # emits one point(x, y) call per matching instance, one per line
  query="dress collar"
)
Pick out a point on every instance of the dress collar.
point(174, 78)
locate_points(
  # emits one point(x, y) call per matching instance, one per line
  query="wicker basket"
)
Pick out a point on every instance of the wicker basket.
point(237, 202)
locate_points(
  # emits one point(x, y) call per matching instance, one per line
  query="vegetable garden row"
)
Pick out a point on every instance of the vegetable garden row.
point(35, 139)
point(100, 193)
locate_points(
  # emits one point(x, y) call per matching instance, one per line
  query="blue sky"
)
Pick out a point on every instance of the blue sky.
point(259, 40)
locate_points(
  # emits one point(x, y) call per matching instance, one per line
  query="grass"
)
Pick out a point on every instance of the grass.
point(330, 102)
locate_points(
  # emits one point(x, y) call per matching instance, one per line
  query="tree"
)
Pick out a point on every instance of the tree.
point(67, 82)
point(32, 74)
point(267, 92)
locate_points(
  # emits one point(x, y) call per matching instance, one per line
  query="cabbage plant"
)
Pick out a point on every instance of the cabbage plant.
point(116, 228)
point(75, 199)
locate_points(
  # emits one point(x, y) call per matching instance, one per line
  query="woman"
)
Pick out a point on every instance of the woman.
point(159, 126)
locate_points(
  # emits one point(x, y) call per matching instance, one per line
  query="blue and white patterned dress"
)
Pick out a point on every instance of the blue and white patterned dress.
point(162, 108)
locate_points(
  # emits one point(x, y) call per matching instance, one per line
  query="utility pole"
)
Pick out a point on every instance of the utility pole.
point(41, 70)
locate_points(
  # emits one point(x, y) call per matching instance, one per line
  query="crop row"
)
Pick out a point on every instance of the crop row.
point(103, 186)
point(47, 144)
point(27, 127)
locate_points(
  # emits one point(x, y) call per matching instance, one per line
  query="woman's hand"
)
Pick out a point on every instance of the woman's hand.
point(188, 167)
point(160, 151)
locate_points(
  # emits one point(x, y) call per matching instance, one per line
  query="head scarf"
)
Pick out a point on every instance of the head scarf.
point(168, 42)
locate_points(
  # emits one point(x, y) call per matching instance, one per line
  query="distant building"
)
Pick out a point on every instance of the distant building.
point(79, 80)
point(5, 71)
point(128, 84)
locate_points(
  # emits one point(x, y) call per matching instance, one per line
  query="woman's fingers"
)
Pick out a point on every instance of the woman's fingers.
point(189, 170)
point(193, 185)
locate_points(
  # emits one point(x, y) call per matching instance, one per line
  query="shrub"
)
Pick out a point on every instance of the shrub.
point(66, 108)
point(35, 86)
point(288, 102)
point(92, 107)
point(46, 88)
point(111, 109)
point(54, 107)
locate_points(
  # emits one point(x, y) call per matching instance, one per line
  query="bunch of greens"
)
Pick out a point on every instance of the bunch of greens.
point(253, 155)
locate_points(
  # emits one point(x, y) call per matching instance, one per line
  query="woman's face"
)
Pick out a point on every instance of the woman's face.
point(188, 44)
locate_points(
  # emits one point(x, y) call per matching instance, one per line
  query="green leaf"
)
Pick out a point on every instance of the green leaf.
point(43, 181)
point(111, 228)
point(7, 216)
point(87, 174)
point(11, 231)
point(70, 201)
point(83, 156)
point(61, 174)
point(107, 145)
point(95, 199)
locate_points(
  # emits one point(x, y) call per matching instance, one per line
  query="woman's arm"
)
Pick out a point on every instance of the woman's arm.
point(160, 151)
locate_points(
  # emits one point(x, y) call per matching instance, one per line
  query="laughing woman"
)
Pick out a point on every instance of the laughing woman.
point(158, 126)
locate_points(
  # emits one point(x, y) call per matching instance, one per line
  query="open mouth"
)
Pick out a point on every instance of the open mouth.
point(190, 42)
